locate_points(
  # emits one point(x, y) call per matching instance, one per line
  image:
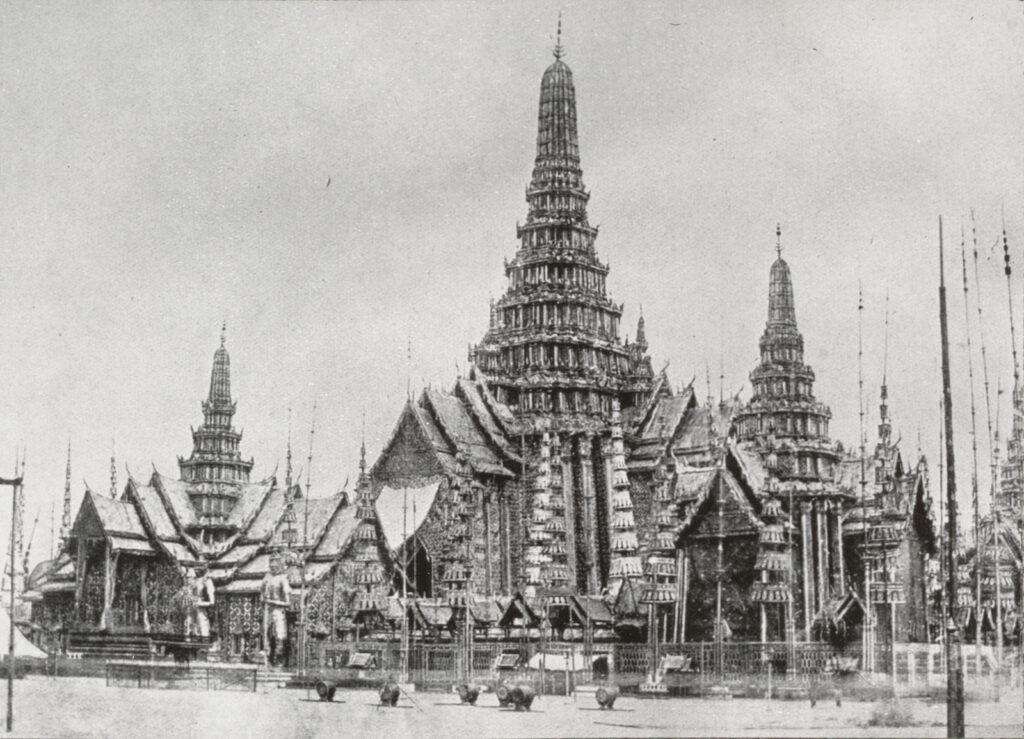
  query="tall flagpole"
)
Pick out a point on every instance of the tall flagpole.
point(993, 445)
point(974, 467)
point(954, 669)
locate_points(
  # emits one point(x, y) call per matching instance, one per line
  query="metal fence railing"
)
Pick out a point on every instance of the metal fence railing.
point(439, 665)
point(180, 675)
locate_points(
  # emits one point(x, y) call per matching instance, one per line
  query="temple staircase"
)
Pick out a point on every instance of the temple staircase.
point(273, 677)
point(98, 646)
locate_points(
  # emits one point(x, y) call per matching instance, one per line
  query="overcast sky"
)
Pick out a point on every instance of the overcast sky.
point(164, 168)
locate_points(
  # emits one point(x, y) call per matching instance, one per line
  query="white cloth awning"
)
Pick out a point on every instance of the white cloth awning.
point(403, 510)
point(22, 646)
point(559, 662)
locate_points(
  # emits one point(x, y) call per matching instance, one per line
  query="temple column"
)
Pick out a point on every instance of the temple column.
point(821, 507)
point(109, 572)
point(685, 595)
point(764, 615)
point(569, 497)
point(806, 546)
point(506, 546)
point(79, 576)
point(589, 514)
point(485, 504)
point(839, 575)
point(680, 589)
point(144, 594)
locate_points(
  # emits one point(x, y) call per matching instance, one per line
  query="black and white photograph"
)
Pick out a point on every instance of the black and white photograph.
point(475, 369)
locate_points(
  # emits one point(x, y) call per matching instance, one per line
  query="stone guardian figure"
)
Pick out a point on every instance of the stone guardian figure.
point(275, 594)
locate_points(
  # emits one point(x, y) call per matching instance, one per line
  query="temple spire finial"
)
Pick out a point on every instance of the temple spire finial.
point(884, 426)
point(113, 473)
point(559, 52)
point(223, 332)
point(641, 331)
point(288, 457)
point(362, 448)
point(65, 519)
point(778, 240)
point(885, 350)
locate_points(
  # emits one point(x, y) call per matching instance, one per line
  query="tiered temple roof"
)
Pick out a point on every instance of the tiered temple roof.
point(552, 348)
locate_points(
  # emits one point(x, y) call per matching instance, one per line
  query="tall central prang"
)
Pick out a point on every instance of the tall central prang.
point(552, 349)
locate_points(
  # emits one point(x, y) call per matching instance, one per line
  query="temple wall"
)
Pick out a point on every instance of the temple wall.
point(129, 579)
point(239, 620)
point(743, 616)
point(329, 599)
point(486, 503)
point(642, 494)
point(410, 460)
point(162, 584)
point(90, 607)
point(912, 616)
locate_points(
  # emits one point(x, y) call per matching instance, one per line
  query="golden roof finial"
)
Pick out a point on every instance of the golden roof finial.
point(778, 239)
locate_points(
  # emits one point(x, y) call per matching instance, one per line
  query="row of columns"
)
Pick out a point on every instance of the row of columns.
point(821, 536)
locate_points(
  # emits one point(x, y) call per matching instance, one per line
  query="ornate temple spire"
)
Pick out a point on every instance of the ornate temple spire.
point(113, 472)
point(781, 309)
point(362, 449)
point(556, 315)
point(220, 375)
point(783, 400)
point(884, 425)
point(288, 457)
point(558, 51)
point(215, 456)
point(641, 333)
point(558, 150)
point(65, 518)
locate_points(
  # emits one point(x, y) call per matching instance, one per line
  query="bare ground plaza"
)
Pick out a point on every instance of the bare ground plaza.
point(91, 709)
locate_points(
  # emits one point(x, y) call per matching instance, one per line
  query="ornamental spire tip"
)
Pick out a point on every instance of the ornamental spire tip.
point(559, 52)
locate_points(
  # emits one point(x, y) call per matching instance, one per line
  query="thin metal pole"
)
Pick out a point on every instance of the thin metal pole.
point(954, 669)
point(14, 485)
